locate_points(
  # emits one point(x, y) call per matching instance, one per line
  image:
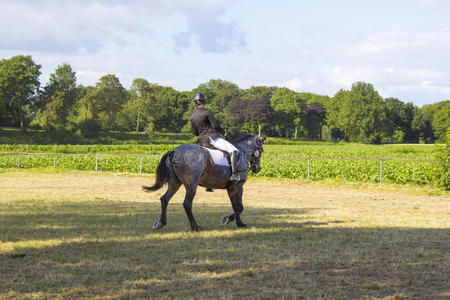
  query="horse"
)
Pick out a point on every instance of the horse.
point(192, 165)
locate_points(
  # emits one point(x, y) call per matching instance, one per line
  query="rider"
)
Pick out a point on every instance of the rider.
point(206, 127)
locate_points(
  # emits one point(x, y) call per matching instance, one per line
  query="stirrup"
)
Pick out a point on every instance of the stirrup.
point(235, 177)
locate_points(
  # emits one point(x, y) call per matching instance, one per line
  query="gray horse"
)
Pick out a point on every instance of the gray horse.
point(192, 165)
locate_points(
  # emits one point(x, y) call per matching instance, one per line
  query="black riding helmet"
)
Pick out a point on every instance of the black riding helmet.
point(199, 98)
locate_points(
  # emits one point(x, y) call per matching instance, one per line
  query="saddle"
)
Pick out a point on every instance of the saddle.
point(219, 157)
point(222, 158)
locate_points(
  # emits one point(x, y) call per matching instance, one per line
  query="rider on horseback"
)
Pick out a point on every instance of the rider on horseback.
point(206, 127)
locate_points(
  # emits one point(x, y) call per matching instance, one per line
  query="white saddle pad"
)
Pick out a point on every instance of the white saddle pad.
point(218, 157)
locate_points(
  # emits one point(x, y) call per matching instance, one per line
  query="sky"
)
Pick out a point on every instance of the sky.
point(402, 47)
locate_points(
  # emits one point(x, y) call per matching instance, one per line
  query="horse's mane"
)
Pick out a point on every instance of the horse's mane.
point(242, 138)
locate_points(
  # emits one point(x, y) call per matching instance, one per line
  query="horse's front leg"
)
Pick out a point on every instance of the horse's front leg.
point(235, 192)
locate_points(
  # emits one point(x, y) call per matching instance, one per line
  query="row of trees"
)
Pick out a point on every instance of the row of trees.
point(357, 115)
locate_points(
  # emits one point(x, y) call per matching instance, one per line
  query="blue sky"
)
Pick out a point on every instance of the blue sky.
point(402, 47)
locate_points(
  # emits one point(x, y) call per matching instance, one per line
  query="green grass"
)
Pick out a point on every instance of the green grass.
point(42, 137)
point(77, 235)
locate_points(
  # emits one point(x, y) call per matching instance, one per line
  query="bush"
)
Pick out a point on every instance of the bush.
point(441, 172)
point(150, 130)
point(62, 136)
point(89, 128)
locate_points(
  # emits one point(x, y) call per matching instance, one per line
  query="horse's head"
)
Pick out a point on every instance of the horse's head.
point(252, 147)
point(255, 157)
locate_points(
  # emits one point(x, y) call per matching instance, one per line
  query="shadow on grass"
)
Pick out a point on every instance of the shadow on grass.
point(108, 249)
point(106, 219)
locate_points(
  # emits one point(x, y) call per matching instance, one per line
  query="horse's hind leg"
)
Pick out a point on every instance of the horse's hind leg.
point(187, 204)
point(174, 185)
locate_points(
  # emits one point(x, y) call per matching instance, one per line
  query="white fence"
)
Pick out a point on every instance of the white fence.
point(141, 157)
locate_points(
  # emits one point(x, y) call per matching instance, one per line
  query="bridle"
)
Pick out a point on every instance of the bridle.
point(255, 158)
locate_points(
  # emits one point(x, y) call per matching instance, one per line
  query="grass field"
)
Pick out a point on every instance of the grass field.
point(85, 235)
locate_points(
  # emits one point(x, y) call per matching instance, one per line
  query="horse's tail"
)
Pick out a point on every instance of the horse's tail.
point(162, 175)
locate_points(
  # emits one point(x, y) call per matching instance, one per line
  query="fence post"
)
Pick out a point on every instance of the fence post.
point(54, 161)
point(309, 168)
point(18, 160)
point(140, 166)
point(96, 162)
point(381, 171)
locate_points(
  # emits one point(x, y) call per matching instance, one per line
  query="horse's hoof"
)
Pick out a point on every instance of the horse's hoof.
point(225, 220)
point(198, 228)
point(157, 225)
point(242, 225)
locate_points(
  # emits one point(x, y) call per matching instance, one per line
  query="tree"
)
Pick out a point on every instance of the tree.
point(218, 93)
point(259, 112)
point(165, 109)
point(2, 105)
point(310, 97)
point(86, 114)
point(54, 115)
point(19, 82)
point(289, 111)
point(422, 124)
point(58, 97)
point(360, 114)
point(399, 120)
point(140, 91)
point(108, 100)
point(235, 116)
point(315, 116)
point(441, 171)
point(441, 119)
point(255, 92)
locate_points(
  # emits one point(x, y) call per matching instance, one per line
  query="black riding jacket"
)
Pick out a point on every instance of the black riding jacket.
point(204, 125)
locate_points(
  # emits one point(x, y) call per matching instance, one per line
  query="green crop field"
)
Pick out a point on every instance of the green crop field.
point(278, 160)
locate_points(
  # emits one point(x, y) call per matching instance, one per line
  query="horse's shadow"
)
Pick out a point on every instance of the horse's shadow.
point(106, 219)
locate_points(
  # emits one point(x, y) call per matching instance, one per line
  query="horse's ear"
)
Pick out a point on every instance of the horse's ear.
point(262, 139)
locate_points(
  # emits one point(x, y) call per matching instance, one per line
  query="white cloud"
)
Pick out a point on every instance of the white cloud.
point(407, 84)
point(426, 86)
point(86, 77)
point(401, 44)
point(415, 74)
point(237, 41)
point(92, 26)
point(63, 26)
point(293, 84)
point(211, 34)
point(338, 76)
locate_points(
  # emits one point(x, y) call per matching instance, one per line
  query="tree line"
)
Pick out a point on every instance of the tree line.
point(356, 115)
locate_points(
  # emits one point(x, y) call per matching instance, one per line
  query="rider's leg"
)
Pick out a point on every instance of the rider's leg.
point(234, 169)
point(226, 146)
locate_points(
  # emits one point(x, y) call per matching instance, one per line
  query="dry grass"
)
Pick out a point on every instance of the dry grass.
point(85, 235)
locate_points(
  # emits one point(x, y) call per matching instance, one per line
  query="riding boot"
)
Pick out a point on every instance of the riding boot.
point(234, 161)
